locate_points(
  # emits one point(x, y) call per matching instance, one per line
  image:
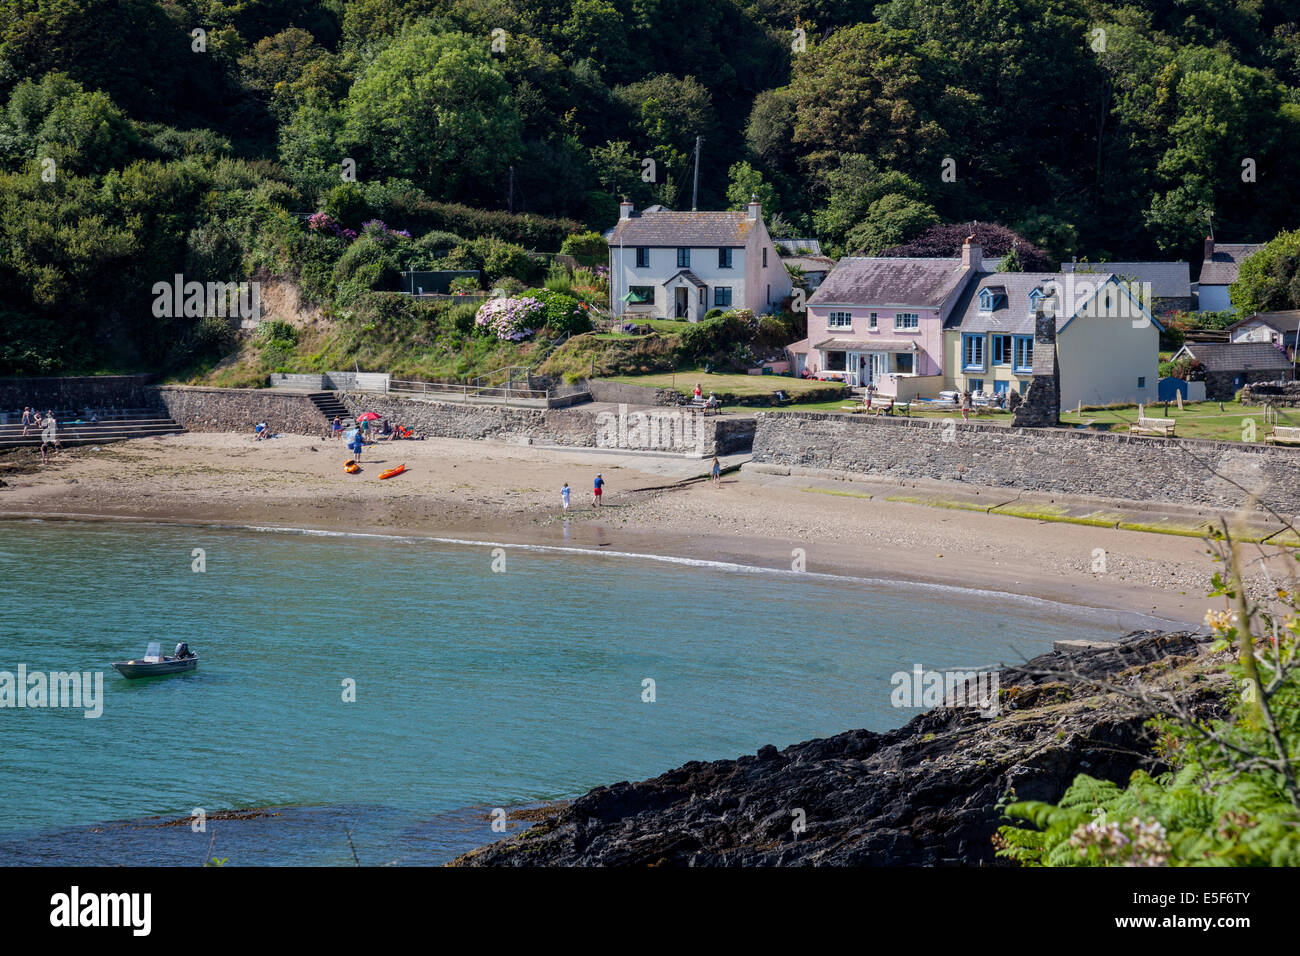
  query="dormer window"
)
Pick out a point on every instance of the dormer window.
point(1035, 296)
point(992, 298)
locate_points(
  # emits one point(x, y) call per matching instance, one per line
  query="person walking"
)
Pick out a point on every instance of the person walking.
point(717, 472)
point(965, 405)
point(357, 444)
point(596, 491)
point(564, 496)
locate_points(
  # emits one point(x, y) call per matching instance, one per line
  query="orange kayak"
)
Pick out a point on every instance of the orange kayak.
point(392, 472)
point(351, 466)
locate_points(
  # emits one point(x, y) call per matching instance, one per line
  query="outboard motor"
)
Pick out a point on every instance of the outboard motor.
point(182, 650)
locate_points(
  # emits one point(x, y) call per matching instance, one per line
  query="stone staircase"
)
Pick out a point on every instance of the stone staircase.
point(76, 428)
point(330, 406)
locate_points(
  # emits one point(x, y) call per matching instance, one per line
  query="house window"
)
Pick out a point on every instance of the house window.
point(1024, 354)
point(835, 361)
point(839, 320)
point(905, 362)
point(872, 322)
point(641, 294)
point(643, 257)
point(1142, 381)
point(1001, 350)
point(986, 300)
point(683, 258)
point(1034, 296)
point(769, 293)
point(975, 384)
point(704, 294)
point(1001, 387)
point(722, 296)
point(906, 320)
point(765, 260)
point(972, 350)
point(724, 258)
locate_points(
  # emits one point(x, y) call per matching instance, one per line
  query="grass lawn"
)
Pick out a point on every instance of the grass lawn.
point(739, 385)
point(1196, 420)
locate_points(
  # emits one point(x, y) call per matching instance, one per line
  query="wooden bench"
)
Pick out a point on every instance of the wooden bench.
point(1164, 427)
point(704, 405)
point(1284, 435)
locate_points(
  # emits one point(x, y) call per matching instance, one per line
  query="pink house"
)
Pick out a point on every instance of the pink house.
point(880, 322)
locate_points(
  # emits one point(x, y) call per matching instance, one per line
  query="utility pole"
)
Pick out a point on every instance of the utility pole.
point(695, 193)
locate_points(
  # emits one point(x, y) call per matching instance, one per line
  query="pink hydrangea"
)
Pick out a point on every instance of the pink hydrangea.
point(511, 319)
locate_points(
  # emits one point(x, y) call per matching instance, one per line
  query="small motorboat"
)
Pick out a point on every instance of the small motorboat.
point(392, 472)
point(154, 664)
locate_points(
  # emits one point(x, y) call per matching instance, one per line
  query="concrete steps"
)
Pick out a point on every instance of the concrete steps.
point(330, 406)
point(88, 433)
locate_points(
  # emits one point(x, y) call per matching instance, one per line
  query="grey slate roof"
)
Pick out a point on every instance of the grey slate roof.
point(688, 275)
point(810, 263)
point(1169, 280)
point(1285, 322)
point(669, 228)
point(1016, 317)
point(872, 345)
point(1221, 269)
point(1237, 356)
point(858, 281)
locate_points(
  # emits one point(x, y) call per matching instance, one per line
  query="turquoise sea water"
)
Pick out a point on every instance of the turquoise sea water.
point(474, 689)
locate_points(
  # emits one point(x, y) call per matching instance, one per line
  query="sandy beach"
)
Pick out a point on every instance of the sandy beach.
point(486, 491)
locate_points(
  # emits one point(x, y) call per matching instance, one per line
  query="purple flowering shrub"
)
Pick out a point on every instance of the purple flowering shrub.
point(512, 319)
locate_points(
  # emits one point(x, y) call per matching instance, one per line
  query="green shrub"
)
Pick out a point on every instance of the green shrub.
point(586, 245)
point(461, 317)
point(563, 313)
point(463, 284)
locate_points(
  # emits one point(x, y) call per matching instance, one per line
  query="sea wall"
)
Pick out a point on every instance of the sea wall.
point(603, 391)
point(1062, 460)
point(239, 409)
point(98, 392)
point(676, 430)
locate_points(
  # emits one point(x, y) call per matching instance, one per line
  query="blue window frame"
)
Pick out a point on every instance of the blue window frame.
point(1024, 354)
point(975, 384)
point(1001, 387)
point(683, 258)
point(722, 295)
point(724, 258)
point(1034, 296)
point(1001, 350)
point(986, 300)
point(972, 352)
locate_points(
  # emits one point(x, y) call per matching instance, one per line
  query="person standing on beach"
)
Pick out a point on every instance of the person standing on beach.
point(596, 491)
point(357, 444)
point(717, 472)
point(336, 428)
point(564, 496)
point(50, 431)
point(27, 419)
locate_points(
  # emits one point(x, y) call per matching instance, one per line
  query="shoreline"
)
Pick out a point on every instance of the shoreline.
point(507, 494)
point(847, 575)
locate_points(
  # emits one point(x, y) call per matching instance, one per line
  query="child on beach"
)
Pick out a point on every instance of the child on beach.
point(564, 496)
point(336, 428)
point(600, 484)
point(717, 472)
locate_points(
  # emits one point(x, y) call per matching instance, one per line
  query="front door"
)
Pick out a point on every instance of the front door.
point(682, 302)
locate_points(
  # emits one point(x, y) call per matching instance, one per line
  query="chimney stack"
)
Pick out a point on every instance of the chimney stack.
point(1209, 249)
point(972, 255)
point(625, 210)
point(755, 208)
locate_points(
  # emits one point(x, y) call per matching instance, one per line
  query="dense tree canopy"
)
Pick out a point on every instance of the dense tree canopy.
point(141, 139)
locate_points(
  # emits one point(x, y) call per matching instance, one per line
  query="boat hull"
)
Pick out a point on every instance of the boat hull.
point(133, 670)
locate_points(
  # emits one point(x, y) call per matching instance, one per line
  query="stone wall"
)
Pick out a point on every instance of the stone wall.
point(98, 392)
point(1284, 394)
point(616, 392)
point(239, 409)
point(1065, 461)
point(1223, 386)
point(579, 426)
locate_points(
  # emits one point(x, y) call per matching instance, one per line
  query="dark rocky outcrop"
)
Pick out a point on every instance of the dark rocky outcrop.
point(924, 794)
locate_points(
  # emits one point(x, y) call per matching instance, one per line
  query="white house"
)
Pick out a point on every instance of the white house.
point(665, 264)
point(1218, 271)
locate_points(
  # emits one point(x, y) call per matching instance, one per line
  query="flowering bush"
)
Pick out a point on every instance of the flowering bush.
point(512, 319)
point(324, 222)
